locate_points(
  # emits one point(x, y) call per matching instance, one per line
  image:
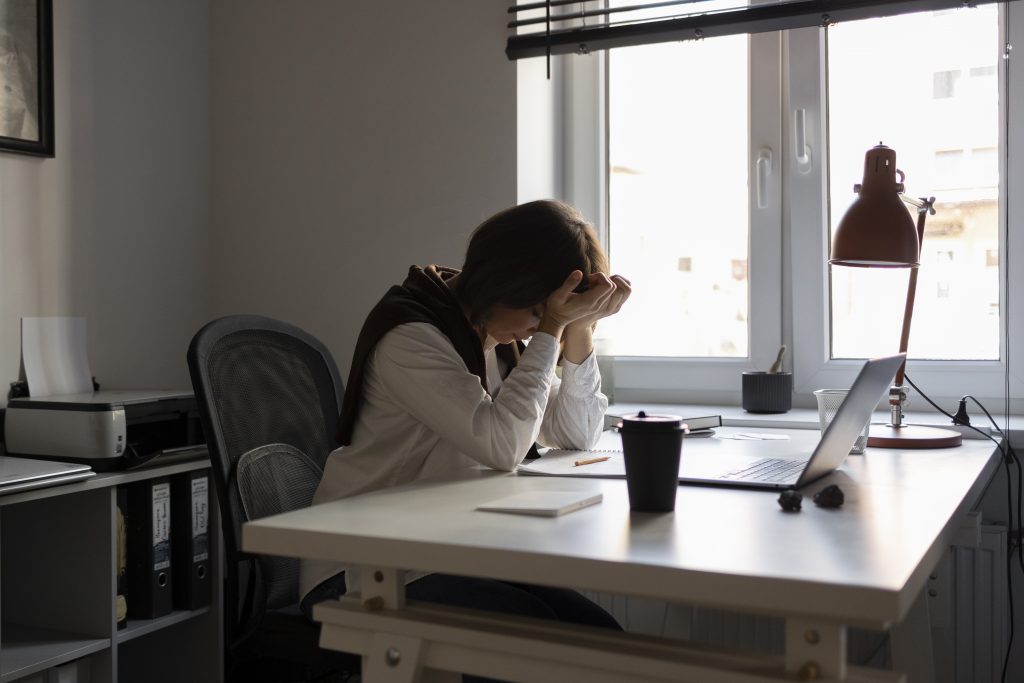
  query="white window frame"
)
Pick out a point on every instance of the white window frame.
point(789, 236)
point(586, 186)
point(806, 224)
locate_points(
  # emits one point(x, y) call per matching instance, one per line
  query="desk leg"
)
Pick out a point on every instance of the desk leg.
point(383, 588)
point(912, 643)
point(816, 649)
point(394, 658)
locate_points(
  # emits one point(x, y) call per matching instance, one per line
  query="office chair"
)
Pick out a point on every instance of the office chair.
point(268, 395)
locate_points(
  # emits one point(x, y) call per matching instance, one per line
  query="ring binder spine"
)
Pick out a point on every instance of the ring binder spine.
point(190, 503)
point(150, 582)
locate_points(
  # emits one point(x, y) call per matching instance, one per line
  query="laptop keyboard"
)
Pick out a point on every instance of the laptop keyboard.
point(769, 470)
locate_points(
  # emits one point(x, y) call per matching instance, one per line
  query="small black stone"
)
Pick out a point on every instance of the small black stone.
point(829, 497)
point(790, 501)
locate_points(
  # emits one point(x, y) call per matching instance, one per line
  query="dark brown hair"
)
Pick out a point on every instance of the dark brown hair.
point(519, 256)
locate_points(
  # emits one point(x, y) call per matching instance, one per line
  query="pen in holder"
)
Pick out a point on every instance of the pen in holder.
point(768, 392)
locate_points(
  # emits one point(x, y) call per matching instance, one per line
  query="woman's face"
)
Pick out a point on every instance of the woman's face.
point(506, 325)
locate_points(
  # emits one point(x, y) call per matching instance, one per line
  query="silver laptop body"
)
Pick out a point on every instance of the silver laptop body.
point(20, 474)
point(797, 469)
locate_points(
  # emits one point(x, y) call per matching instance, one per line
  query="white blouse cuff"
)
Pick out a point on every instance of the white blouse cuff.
point(583, 378)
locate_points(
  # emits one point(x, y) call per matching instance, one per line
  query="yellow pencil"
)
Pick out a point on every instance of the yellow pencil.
point(591, 461)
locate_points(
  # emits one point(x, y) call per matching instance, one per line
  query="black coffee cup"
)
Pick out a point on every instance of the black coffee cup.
point(651, 446)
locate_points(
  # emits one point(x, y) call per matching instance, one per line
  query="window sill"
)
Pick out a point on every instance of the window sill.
point(803, 418)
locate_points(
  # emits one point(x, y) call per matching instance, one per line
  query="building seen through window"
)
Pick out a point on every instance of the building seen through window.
point(683, 188)
point(941, 115)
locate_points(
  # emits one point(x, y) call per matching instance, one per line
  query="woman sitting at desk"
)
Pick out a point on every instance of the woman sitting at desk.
point(438, 385)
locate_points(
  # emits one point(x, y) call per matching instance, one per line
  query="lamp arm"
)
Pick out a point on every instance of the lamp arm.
point(924, 206)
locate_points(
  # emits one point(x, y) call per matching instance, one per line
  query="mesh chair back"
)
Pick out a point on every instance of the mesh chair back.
point(261, 381)
point(272, 479)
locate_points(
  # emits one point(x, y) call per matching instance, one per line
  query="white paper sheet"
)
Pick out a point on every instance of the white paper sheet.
point(558, 463)
point(53, 350)
point(755, 436)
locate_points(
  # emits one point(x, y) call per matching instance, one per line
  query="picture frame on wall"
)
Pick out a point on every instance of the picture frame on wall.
point(26, 77)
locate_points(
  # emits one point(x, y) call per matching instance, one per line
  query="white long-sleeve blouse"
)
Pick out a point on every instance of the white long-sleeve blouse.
point(424, 415)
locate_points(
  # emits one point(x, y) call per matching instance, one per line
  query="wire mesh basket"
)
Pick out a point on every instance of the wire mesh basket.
point(829, 401)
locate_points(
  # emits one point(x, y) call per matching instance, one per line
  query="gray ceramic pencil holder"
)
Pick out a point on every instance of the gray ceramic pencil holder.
point(765, 392)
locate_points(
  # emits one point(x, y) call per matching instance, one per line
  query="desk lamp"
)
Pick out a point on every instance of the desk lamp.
point(877, 232)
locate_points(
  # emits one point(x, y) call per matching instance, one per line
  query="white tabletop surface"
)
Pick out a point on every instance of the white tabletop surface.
point(862, 564)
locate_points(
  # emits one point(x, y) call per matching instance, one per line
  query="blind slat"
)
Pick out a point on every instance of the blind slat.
point(588, 13)
point(748, 19)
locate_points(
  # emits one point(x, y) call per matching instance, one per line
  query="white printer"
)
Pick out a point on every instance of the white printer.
point(107, 430)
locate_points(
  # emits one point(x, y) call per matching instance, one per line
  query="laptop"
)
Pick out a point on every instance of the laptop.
point(21, 474)
point(786, 471)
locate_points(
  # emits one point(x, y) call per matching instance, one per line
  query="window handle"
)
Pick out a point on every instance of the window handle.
point(803, 150)
point(764, 169)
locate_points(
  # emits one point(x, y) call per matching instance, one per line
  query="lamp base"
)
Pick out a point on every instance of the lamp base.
point(912, 436)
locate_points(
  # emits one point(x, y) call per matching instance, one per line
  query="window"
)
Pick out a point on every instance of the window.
point(930, 143)
point(723, 218)
point(944, 84)
point(945, 275)
point(678, 175)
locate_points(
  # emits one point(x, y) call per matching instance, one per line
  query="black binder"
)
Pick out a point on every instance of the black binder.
point(149, 548)
point(190, 507)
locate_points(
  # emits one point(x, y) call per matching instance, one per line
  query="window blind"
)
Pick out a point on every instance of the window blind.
point(551, 27)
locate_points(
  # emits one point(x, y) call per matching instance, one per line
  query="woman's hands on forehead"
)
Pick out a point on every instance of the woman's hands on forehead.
point(604, 296)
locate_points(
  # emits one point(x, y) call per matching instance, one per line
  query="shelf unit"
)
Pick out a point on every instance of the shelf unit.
point(57, 591)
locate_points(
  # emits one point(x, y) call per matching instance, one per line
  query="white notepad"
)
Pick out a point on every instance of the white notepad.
point(543, 503)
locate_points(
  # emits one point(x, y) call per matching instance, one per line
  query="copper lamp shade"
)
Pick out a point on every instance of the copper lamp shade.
point(877, 230)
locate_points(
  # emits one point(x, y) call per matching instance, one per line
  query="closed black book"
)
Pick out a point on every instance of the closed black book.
point(697, 424)
point(190, 508)
point(149, 549)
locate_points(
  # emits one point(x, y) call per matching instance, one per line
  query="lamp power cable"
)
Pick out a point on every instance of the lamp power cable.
point(1015, 545)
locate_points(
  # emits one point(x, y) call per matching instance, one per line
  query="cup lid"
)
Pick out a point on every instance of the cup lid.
point(644, 421)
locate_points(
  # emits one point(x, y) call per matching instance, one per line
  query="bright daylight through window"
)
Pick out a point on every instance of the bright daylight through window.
point(683, 187)
point(677, 190)
point(935, 99)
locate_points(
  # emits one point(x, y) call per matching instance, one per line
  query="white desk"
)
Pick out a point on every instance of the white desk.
point(861, 565)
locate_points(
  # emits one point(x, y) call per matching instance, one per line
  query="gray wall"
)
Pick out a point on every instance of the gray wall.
point(352, 140)
point(115, 228)
point(223, 156)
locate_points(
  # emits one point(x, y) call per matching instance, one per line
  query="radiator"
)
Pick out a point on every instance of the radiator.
point(967, 609)
point(978, 627)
